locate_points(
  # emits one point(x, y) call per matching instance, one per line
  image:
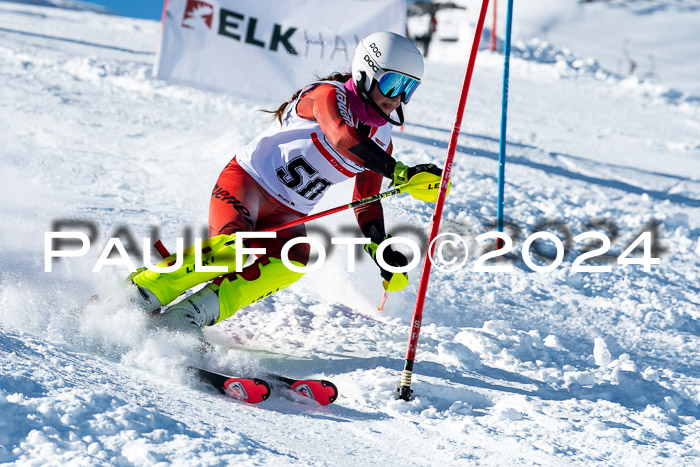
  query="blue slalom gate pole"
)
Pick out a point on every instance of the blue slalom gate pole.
point(504, 112)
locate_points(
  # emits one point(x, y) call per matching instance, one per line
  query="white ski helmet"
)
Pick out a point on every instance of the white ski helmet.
point(390, 61)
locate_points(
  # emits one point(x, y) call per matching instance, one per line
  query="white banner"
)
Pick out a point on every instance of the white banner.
point(266, 48)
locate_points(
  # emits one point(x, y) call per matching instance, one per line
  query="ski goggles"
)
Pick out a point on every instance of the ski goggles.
point(392, 84)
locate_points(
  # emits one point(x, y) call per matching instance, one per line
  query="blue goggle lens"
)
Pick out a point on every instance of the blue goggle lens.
point(392, 84)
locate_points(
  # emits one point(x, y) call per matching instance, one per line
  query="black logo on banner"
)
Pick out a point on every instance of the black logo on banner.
point(237, 26)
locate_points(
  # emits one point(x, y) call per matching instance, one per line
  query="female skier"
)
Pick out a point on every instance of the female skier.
point(330, 130)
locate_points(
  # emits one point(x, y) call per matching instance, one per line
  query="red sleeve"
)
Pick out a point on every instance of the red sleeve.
point(321, 104)
point(327, 106)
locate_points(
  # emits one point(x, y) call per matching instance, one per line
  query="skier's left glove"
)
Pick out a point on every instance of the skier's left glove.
point(392, 281)
point(403, 173)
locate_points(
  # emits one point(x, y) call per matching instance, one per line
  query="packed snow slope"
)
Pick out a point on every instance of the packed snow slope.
point(519, 367)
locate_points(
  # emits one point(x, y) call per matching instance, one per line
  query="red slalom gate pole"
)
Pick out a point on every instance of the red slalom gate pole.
point(493, 28)
point(405, 386)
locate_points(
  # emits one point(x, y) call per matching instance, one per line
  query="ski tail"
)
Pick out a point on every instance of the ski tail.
point(322, 391)
point(251, 390)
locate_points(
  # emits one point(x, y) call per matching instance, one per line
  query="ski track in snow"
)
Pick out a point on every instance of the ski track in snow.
point(512, 368)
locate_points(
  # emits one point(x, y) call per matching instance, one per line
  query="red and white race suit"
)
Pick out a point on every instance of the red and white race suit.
point(283, 173)
point(299, 161)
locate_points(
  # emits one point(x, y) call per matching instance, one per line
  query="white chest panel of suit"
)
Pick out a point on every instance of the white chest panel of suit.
point(296, 164)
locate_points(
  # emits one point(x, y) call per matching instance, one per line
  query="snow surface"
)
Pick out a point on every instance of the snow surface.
point(512, 368)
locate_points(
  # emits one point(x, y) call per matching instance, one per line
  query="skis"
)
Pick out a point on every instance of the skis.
point(254, 390)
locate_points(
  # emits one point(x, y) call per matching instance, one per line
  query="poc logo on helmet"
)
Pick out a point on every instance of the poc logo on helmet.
point(371, 64)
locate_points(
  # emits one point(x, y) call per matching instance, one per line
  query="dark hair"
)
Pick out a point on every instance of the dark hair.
point(277, 114)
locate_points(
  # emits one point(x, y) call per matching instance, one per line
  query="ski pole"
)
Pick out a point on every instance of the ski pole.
point(328, 212)
point(161, 249)
point(370, 199)
point(404, 389)
point(383, 301)
point(421, 186)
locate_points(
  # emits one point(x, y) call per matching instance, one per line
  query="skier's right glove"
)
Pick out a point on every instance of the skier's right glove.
point(392, 281)
point(404, 173)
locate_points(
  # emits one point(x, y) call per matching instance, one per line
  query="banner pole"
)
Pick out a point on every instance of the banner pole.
point(504, 112)
point(160, 39)
point(404, 389)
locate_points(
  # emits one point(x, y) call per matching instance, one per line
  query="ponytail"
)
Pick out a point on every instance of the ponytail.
point(277, 114)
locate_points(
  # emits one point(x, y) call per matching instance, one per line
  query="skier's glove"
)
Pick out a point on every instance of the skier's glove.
point(404, 173)
point(392, 281)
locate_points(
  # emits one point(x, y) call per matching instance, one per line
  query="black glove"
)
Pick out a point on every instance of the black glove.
point(403, 173)
point(392, 281)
